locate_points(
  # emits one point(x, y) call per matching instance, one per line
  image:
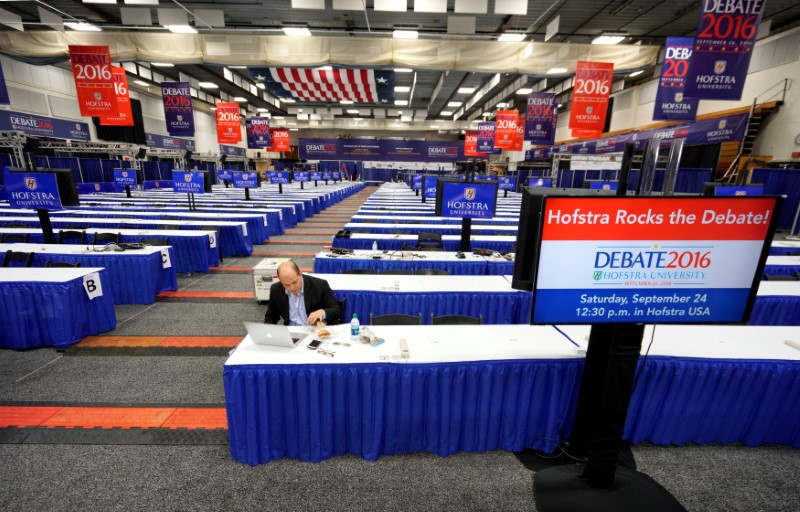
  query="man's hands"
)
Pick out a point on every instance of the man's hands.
point(316, 316)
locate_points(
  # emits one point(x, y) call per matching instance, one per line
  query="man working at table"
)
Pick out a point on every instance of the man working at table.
point(301, 300)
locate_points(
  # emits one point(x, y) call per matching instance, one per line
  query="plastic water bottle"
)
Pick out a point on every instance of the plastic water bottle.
point(375, 246)
point(354, 327)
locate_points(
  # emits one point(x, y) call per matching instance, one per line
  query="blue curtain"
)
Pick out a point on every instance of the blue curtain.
point(92, 169)
point(165, 170)
point(150, 170)
point(70, 162)
point(781, 182)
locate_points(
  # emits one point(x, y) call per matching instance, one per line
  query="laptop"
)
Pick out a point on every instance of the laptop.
point(275, 335)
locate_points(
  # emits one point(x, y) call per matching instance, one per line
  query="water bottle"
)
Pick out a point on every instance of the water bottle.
point(375, 246)
point(354, 327)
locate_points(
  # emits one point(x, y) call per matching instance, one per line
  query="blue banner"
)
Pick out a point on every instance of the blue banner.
point(671, 105)
point(602, 185)
point(162, 142)
point(36, 190)
point(326, 175)
point(506, 183)
point(540, 182)
point(336, 176)
point(257, 132)
point(416, 183)
point(245, 180)
point(382, 150)
point(177, 98)
point(486, 137)
point(726, 34)
point(232, 150)
point(737, 190)
point(301, 176)
point(125, 177)
point(541, 115)
point(4, 100)
point(429, 184)
point(40, 126)
point(279, 177)
point(316, 176)
point(188, 182)
point(468, 200)
point(224, 175)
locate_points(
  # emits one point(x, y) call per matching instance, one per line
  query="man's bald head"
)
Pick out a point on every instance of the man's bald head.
point(290, 277)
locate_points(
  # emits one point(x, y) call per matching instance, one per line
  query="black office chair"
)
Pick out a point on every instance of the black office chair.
point(456, 320)
point(26, 258)
point(429, 241)
point(787, 277)
point(431, 248)
point(432, 272)
point(408, 247)
point(106, 238)
point(77, 227)
point(61, 264)
point(357, 271)
point(154, 241)
point(395, 319)
point(396, 272)
point(15, 238)
point(342, 305)
point(172, 227)
point(514, 248)
point(72, 237)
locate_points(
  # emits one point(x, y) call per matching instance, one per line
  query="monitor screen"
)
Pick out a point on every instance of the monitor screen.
point(476, 200)
point(540, 182)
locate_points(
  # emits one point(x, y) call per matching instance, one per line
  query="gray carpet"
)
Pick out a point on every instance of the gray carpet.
point(192, 319)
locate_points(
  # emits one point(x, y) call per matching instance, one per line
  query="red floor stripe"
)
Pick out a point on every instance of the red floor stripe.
point(329, 233)
point(207, 295)
point(284, 253)
point(231, 269)
point(300, 242)
point(159, 341)
point(113, 417)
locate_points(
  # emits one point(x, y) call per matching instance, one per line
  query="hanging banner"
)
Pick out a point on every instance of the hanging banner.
point(125, 116)
point(177, 98)
point(4, 100)
point(671, 105)
point(91, 69)
point(519, 137)
point(471, 145)
point(590, 98)
point(505, 130)
point(228, 129)
point(280, 139)
point(726, 35)
point(257, 132)
point(40, 126)
point(159, 141)
point(486, 137)
point(541, 115)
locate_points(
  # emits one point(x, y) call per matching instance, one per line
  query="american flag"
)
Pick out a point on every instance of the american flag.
point(328, 85)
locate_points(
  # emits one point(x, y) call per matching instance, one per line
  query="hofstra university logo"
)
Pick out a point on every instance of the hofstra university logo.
point(678, 97)
point(187, 177)
point(722, 124)
point(124, 174)
point(719, 66)
point(469, 193)
point(30, 183)
point(598, 275)
point(589, 110)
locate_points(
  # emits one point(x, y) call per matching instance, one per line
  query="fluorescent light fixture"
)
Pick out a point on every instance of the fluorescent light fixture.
point(511, 37)
point(434, 126)
point(556, 71)
point(239, 99)
point(142, 83)
point(609, 38)
point(352, 111)
point(403, 70)
point(297, 31)
point(524, 90)
point(401, 103)
point(345, 102)
point(325, 68)
point(402, 88)
point(261, 85)
point(466, 90)
point(288, 100)
point(181, 29)
point(405, 34)
point(453, 103)
point(445, 113)
point(99, 1)
point(560, 105)
point(141, 2)
point(213, 108)
point(636, 73)
point(237, 67)
point(487, 114)
point(208, 85)
point(262, 109)
point(162, 64)
point(82, 26)
point(358, 119)
point(277, 117)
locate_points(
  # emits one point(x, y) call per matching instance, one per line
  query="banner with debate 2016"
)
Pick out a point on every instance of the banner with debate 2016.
point(471, 145)
point(671, 103)
point(257, 129)
point(124, 115)
point(724, 41)
point(505, 129)
point(280, 140)
point(94, 82)
point(541, 115)
point(592, 87)
point(486, 137)
point(519, 136)
point(228, 129)
point(177, 99)
point(651, 259)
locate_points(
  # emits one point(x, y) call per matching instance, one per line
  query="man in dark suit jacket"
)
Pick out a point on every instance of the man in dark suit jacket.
point(301, 300)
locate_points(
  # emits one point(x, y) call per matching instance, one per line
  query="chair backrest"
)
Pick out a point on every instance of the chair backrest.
point(26, 258)
point(342, 306)
point(780, 277)
point(154, 241)
point(396, 272)
point(169, 227)
point(456, 320)
point(72, 237)
point(431, 247)
point(429, 237)
point(395, 319)
point(106, 238)
point(432, 272)
point(408, 247)
point(61, 264)
point(357, 271)
point(15, 238)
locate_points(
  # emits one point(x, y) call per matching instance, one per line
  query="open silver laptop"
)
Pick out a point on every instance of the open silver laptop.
point(275, 335)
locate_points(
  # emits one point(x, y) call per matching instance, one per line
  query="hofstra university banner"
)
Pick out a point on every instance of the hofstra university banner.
point(671, 103)
point(587, 117)
point(505, 131)
point(726, 35)
point(541, 114)
point(177, 100)
point(94, 82)
point(228, 129)
point(125, 116)
point(381, 150)
point(257, 132)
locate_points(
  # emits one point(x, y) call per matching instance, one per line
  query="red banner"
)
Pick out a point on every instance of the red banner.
point(91, 69)
point(125, 117)
point(280, 139)
point(590, 97)
point(519, 137)
point(229, 129)
point(505, 130)
point(471, 145)
point(587, 134)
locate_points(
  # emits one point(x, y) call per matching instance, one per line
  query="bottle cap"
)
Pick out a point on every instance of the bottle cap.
point(355, 315)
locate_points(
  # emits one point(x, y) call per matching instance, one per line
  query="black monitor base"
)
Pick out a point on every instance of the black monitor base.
point(536, 460)
point(562, 489)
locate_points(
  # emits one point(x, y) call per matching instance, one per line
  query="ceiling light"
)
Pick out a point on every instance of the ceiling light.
point(297, 31)
point(213, 108)
point(346, 102)
point(402, 88)
point(487, 114)
point(560, 105)
point(358, 119)
point(237, 67)
point(434, 126)
point(352, 111)
point(403, 70)
point(162, 64)
point(262, 109)
point(82, 26)
point(609, 38)
point(325, 68)
point(466, 90)
point(261, 85)
point(288, 100)
point(556, 71)
point(524, 90)
point(511, 37)
point(401, 103)
point(445, 113)
point(99, 1)
point(300, 110)
point(142, 83)
point(277, 117)
point(636, 73)
point(453, 103)
point(208, 85)
point(239, 99)
point(181, 29)
point(405, 34)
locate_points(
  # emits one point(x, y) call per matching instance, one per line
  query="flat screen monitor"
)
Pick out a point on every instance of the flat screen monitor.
point(600, 184)
point(65, 179)
point(540, 182)
point(475, 200)
point(727, 189)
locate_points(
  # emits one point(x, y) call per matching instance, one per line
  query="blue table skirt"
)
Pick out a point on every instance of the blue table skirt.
point(784, 251)
point(36, 314)
point(394, 244)
point(315, 412)
point(447, 221)
point(692, 400)
point(496, 307)
point(132, 278)
point(256, 230)
point(445, 229)
point(335, 266)
point(781, 270)
point(775, 310)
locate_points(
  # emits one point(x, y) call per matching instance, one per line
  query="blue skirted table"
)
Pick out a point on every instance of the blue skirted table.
point(134, 276)
point(784, 248)
point(782, 265)
point(327, 263)
point(53, 307)
point(421, 219)
point(451, 243)
point(478, 228)
point(777, 303)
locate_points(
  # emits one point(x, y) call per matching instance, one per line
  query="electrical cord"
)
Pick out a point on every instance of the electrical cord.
point(566, 336)
point(644, 359)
